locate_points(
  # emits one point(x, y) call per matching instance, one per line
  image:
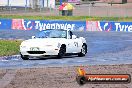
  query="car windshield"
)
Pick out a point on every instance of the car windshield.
point(52, 34)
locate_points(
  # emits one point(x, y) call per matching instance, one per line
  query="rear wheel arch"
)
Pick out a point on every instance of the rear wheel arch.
point(83, 50)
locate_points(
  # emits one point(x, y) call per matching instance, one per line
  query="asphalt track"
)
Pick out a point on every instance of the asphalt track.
point(104, 48)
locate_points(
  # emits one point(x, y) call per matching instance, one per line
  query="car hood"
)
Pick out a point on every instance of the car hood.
point(43, 41)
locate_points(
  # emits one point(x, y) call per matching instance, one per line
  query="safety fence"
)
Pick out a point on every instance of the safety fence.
point(22, 24)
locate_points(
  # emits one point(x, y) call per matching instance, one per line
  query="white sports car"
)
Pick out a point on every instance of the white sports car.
point(53, 42)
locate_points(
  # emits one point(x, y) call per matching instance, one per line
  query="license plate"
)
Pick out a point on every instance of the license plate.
point(34, 49)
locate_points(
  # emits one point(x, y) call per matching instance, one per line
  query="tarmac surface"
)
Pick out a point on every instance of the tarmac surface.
point(108, 53)
point(104, 48)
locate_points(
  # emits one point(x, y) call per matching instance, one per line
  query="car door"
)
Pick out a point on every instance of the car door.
point(73, 44)
point(77, 44)
point(70, 46)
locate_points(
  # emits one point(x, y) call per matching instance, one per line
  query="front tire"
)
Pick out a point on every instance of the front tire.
point(83, 51)
point(24, 57)
point(62, 51)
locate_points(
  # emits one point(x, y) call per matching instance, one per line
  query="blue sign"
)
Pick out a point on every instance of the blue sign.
point(67, 25)
point(5, 24)
point(21, 24)
point(115, 26)
point(123, 26)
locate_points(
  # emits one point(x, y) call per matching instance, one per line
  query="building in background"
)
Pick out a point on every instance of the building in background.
point(29, 3)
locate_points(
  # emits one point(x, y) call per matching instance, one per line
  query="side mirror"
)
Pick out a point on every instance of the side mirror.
point(33, 37)
point(74, 36)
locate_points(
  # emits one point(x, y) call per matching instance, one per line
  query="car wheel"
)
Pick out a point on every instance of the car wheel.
point(83, 50)
point(24, 57)
point(62, 51)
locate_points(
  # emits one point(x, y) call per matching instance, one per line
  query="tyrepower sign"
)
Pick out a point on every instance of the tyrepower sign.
point(21, 24)
point(115, 26)
point(123, 26)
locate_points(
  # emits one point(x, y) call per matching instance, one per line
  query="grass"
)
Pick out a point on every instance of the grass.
point(90, 18)
point(9, 47)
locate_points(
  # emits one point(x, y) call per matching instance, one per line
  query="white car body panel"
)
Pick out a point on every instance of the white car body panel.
point(51, 46)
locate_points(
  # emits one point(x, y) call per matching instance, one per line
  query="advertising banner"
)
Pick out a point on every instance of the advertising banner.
point(92, 26)
point(5, 24)
point(21, 24)
point(115, 26)
point(108, 26)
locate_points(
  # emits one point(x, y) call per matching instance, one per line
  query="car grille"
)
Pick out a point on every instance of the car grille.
point(36, 52)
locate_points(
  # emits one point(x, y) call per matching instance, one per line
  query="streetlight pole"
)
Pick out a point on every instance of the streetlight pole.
point(26, 6)
point(89, 10)
point(8, 2)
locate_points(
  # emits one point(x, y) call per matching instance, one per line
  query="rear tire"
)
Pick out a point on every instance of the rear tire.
point(83, 50)
point(24, 57)
point(62, 51)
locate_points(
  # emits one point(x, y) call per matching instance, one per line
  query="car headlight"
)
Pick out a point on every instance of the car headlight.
point(23, 46)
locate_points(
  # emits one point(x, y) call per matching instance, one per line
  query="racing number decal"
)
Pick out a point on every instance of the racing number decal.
point(76, 44)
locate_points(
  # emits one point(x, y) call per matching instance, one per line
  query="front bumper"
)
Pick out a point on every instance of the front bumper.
point(46, 51)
